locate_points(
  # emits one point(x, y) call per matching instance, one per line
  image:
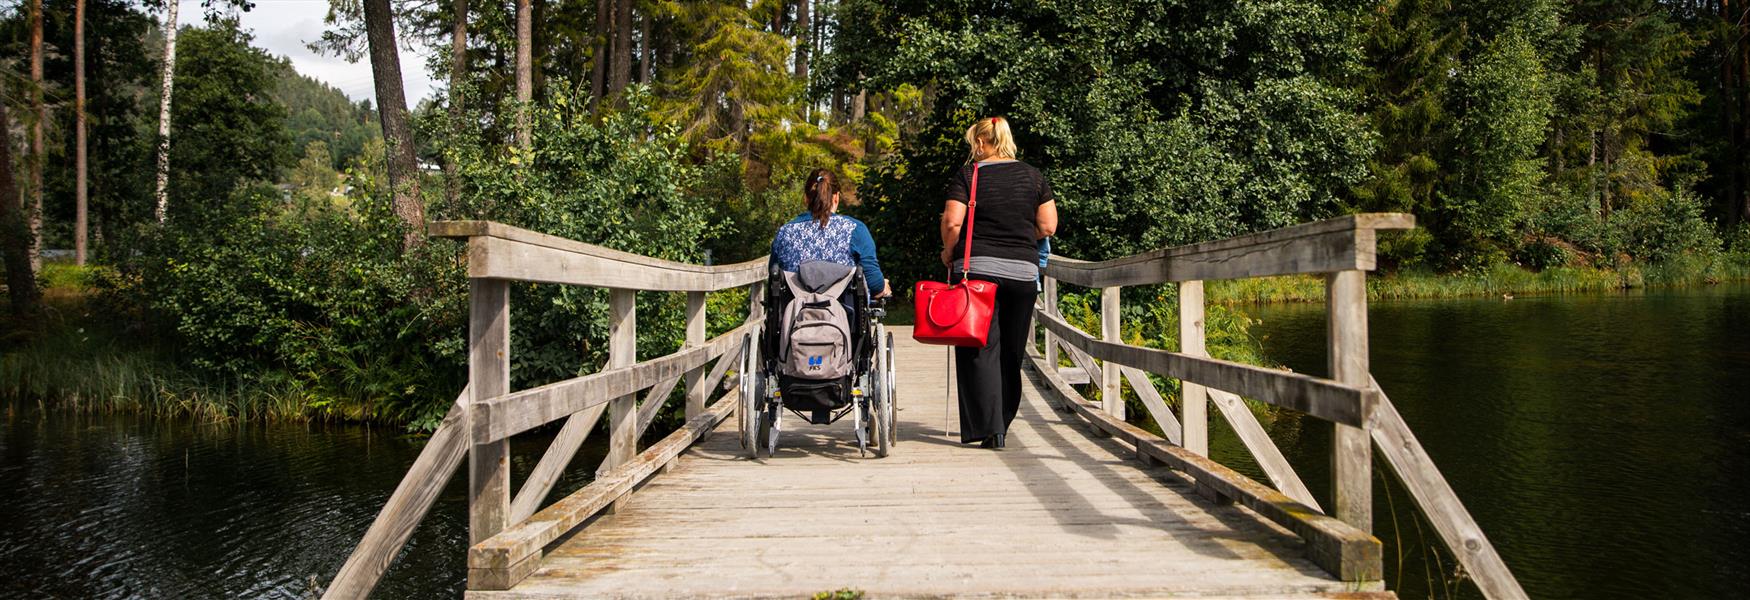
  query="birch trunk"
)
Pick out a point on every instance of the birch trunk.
point(163, 210)
point(525, 74)
point(37, 155)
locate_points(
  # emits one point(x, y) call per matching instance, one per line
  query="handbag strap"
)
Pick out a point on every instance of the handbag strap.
point(971, 210)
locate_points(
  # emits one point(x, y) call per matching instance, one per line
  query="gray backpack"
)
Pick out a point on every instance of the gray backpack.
point(816, 342)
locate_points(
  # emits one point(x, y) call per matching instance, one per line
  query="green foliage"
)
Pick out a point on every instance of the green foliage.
point(317, 112)
point(1663, 228)
point(228, 131)
point(1506, 106)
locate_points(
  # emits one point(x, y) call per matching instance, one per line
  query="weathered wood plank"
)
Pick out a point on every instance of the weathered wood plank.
point(1264, 451)
point(1351, 454)
point(1341, 549)
point(622, 352)
point(514, 413)
point(553, 462)
point(1110, 395)
point(1050, 305)
point(406, 507)
point(1193, 397)
point(1404, 454)
point(696, 391)
point(653, 403)
point(513, 546)
point(1151, 399)
point(488, 376)
point(499, 251)
point(1343, 243)
point(1327, 400)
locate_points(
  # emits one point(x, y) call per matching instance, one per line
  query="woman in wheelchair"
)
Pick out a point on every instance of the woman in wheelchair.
point(823, 353)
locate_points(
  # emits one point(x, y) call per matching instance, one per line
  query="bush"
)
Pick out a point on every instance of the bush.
point(1661, 228)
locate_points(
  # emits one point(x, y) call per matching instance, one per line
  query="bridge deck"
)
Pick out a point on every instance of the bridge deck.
point(1056, 514)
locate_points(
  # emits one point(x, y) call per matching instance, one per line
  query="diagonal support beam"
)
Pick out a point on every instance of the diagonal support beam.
point(553, 462)
point(1264, 451)
point(1157, 406)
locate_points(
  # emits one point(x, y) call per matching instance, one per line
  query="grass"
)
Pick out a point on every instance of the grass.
point(1495, 281)
point(69, 358)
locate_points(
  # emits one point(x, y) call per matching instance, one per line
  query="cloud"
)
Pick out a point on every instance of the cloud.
point(284, 27)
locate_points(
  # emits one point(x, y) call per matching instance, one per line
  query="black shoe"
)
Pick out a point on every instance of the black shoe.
point(989, 442)
point(999, 441)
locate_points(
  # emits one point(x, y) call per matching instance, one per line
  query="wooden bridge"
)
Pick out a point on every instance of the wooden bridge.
point(1081, 504)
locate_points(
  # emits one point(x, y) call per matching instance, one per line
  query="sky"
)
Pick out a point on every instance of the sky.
point(283, 27)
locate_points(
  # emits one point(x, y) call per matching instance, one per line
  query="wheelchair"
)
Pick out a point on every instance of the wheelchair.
point(866, 394)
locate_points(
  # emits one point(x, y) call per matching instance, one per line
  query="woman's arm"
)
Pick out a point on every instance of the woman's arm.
point(1046, 218)
point(863, 246)
point(953, 218)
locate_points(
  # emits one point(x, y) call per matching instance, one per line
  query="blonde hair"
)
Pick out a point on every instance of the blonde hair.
point(993, 131)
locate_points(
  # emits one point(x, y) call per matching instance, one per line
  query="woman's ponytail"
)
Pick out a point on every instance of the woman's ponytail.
point(819, 189)
point(994, 132)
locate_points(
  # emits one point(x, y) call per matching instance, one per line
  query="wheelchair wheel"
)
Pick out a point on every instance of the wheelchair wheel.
point(750, 396)
point(890, 406)
point(881, 405)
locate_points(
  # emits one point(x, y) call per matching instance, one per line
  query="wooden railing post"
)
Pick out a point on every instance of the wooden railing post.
point(1193, 398)
point(1050, 308)
point(1111, 395)
point(622, 352)
point(696, 391)
point(1352, 451)
point(488, 377)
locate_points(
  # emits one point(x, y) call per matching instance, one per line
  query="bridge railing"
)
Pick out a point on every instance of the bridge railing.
point(507, 534)
point(1342, 250)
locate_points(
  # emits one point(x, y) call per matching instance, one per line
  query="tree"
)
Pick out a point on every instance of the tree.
point(525, 83)
point(622, 60)
point(37, 153)
point(231, 132)
point(14, 236)
point(397, 132)
point(803, 43)
point(458, 75)
point(164, 111)
point(79, 166)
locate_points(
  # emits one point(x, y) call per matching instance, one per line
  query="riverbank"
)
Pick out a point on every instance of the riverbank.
point(1496, 281)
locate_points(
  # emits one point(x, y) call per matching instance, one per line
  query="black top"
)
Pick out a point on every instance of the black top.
point(1009, 195)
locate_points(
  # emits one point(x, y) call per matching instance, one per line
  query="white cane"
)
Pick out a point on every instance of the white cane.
point(948, 393)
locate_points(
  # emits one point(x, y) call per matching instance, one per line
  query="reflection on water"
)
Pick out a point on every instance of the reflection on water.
point(1602, 442)
point(123, 506)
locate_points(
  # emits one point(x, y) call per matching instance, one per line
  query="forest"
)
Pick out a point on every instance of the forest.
point(250, 242)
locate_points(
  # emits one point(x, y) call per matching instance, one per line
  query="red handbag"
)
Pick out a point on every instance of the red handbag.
point(956, 314)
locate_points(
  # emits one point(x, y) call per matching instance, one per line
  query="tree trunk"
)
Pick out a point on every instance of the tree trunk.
point(392, 108)
point(804, 41)
point(622, 45)
point(858, 105)
point(525, 75)
point(458, 75)
point(81, 220)
point(37, 154)
point(646, 51)
point(598, 67)
point(14, 237)
point(1743, 144)
point(163, 210)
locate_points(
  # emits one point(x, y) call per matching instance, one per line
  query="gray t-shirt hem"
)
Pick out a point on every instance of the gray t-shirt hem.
point(1005, 268)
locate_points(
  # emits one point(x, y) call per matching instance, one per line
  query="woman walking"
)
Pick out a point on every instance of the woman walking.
point(1015, 212)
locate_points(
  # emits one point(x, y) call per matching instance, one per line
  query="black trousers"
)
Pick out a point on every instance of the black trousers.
point(989, 378)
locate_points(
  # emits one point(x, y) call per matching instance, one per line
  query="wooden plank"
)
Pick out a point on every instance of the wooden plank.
point(514, 413)
point(1264, 451)
point(406, 507)
point(1050, 306)
point(622, 352)
point(519, 543)
point(488, 376)
point(1151, 398)
point(553, 462)
point(1343, 243)
point(653, 403)
point(499, 251)
point(1404, 454)
point(1321, 398)
point(1110, 395)
point(696, 391)
point(1193, 398)
point(1335, 546)
point(1351, 453)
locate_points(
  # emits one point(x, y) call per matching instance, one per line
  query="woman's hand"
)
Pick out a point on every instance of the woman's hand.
point(886, 289)
point(947, 256)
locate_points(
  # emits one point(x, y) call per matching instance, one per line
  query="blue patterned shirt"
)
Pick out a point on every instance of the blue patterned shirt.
point(844, 240)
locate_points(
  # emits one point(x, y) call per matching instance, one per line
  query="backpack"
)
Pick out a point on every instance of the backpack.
point(816, 342)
